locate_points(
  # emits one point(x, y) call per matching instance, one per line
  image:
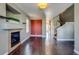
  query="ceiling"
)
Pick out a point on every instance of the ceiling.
point(34, 12)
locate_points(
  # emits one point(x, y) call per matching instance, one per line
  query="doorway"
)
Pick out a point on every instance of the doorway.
point(36, 27)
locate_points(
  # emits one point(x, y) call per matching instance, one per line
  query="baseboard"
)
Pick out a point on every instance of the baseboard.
point(77, 52)
point(38, 36)
point(65, 39)
point(25, 39)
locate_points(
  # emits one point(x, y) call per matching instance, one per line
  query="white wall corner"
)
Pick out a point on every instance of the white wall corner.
point(77, 52)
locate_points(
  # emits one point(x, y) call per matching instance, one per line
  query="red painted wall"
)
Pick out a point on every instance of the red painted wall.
point(36, 27)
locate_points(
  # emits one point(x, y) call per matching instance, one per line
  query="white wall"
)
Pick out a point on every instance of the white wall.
point(3, 42)
point(52, 28)
point(24, 35)
point(66, 32)
point(2, 9)
point(44, 27)
point(76, 28)
point(3, 35)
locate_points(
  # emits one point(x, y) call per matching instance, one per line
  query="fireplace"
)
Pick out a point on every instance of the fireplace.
point(15, 38)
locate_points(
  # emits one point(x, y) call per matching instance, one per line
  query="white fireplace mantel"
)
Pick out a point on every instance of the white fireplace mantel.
point(8, 26)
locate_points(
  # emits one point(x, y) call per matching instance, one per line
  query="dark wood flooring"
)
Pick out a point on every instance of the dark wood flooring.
point(38, 46)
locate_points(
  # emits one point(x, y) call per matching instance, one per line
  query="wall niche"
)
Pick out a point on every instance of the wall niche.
point(12, 15)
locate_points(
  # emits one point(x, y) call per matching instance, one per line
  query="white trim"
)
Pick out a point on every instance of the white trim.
point(13, 48)
point(65, 39)
point(77, 52)
point(25, 39)
point(38, 36)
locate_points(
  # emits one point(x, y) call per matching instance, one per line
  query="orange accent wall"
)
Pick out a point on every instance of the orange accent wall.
point(36, 27)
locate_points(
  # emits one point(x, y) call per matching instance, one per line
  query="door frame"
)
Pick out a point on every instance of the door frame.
point(38, 35)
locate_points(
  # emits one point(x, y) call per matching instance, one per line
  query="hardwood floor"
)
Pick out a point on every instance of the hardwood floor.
point(38, 46)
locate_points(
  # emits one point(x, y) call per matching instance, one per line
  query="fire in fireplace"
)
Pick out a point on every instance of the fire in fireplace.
point(15, 38)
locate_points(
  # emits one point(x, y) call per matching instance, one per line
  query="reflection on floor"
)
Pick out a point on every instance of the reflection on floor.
point(39, 46)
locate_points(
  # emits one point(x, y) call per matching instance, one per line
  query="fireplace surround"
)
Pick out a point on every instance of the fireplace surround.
point(14, 36)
